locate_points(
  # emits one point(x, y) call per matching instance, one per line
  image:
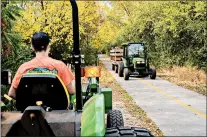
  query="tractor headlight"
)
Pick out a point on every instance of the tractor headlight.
point(140, 62)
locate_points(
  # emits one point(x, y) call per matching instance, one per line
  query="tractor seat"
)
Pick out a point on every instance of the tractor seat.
point(45, 87)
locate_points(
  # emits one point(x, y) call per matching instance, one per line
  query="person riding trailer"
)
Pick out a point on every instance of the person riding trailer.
point(42, 63)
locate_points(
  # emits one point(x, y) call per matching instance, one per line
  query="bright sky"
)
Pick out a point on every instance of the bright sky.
point(107, 3)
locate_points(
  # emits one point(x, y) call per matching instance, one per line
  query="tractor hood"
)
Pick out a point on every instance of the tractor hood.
point(134, 60)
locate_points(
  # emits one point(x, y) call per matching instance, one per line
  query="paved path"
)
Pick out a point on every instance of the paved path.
point(175, 110)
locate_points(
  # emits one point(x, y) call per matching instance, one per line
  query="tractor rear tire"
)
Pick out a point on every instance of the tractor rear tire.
point(153, 74)
point(114, 119)
point(113, 67)
point(121, 69)
point(126, 74)
point(128, 131)
point(116, 68)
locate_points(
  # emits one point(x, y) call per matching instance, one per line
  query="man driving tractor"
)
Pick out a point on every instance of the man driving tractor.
point(42, 63)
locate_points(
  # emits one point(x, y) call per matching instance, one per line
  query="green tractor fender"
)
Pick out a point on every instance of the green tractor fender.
point(93, 117)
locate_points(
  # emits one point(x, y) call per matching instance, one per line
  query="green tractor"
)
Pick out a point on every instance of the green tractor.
point(134, 62)
point(45, 108)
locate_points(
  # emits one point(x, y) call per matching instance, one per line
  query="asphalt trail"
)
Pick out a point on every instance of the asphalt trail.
point(175, 110)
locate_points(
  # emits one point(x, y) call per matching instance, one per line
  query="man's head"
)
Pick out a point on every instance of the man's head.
point(40, 42)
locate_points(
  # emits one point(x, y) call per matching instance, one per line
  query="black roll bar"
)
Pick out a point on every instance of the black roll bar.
point(76, 55)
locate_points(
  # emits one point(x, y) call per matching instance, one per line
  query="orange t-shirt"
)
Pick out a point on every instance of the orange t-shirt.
point(44, 64)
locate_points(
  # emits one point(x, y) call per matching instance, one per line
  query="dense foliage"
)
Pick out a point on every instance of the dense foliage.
point(13, 51)
point(174, 32)
point(23, 18)
point(55, 18)
point(10, 38)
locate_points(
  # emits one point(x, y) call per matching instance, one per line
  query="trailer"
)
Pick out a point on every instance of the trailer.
point(116, 55)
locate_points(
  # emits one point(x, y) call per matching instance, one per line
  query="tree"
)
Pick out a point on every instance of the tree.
point(10, 38)
point(56, 19)
point(174, 32)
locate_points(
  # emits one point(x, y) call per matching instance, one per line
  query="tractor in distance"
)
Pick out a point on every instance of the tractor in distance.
point(135, 62)
point(42, 102)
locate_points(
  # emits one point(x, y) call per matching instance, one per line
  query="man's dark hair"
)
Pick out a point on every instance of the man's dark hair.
point(40, 41)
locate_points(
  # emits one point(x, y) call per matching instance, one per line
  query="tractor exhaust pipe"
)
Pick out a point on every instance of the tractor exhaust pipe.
point(76, 55)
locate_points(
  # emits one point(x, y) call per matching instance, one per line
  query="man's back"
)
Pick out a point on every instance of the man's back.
point(44, 64)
